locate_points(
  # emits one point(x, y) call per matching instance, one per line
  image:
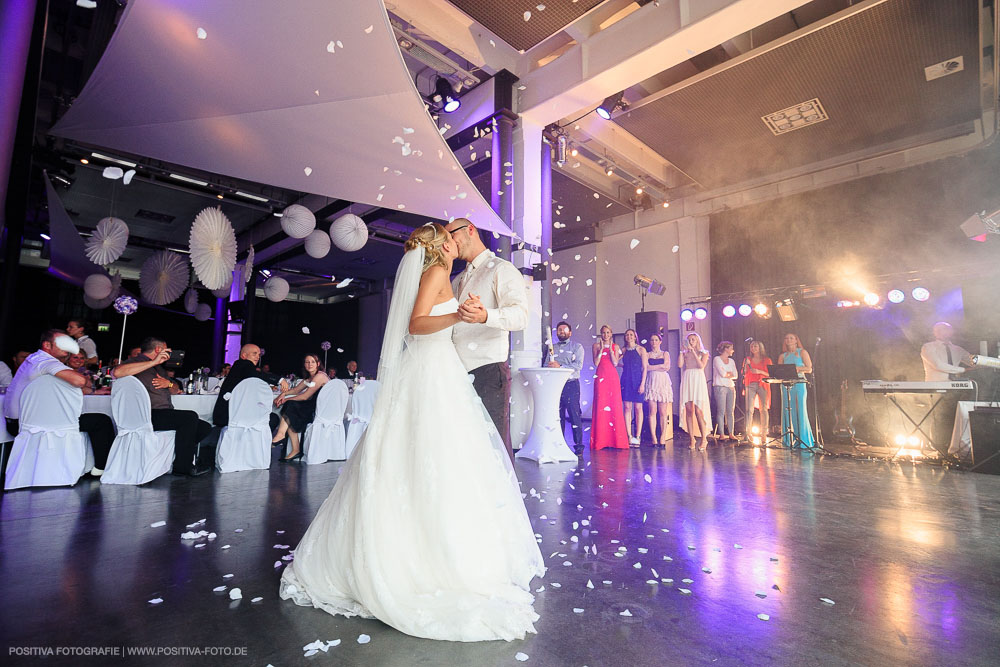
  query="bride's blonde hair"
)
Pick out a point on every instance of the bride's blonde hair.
point(432, 237)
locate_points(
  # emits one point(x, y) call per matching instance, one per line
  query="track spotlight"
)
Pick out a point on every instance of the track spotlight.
point(920, 293)
point(444, 95)
point(610, 170)
point(745, 310)
point(687, 314)
point(895, 296)
point(763, 310)
point(700, 313)
point(638, 190)
point(611, 104)
point(786, 310)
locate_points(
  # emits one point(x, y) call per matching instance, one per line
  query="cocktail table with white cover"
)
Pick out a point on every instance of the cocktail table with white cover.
point(245, 444)
point(49, 449)
point(139, 454)
point(325, 439)
point(546, 442)
point(362, 407)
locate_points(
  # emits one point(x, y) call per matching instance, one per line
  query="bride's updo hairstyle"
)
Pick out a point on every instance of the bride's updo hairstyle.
point(432, 237)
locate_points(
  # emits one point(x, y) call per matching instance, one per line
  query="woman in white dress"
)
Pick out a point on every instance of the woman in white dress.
point(694, 390)
point(425, 528)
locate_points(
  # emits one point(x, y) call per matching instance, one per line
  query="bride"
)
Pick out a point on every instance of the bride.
point(425, 528)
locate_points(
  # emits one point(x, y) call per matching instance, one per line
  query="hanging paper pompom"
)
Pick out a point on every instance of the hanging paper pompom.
point(108, 242)
point(298, 221)
point(202, 312)
point(97, 286)
point(191, 300)
point(222, 292)
point(318, 244)
point(213, 248)
point(163, 277)
point(248, 266)
point(99, 304)
point(349, 232)
point(126, 305)
point(276, 288)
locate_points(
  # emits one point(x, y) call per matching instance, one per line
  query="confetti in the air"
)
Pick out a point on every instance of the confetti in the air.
point(764, 617)
point(308, 170)
point(827, 601)
point(527, 16)
point(201, 33)
point(633, 243)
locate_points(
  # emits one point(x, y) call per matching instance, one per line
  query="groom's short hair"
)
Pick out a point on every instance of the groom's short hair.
point(566, 324)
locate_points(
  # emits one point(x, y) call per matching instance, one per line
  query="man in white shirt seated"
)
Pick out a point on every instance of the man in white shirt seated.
point(493, 301)
point(54, 350)
point(76, 329)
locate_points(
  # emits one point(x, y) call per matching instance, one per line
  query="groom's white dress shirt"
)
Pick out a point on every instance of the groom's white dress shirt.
point(503, 292)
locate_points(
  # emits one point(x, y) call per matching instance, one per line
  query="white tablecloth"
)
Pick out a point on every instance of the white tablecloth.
point(961, 438)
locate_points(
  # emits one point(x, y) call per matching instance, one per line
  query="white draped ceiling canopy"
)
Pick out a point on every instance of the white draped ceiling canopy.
point(311, 95)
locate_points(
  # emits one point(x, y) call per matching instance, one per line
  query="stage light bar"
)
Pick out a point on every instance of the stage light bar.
point(871, 298)
point(895, 296)
point(700, 313)
point(745, 310)
point(728, 310)
point(920, 293)
point(763, 310)
point(687, 314)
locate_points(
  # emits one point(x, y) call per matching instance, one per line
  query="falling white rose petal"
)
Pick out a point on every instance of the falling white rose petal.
point(633, 243)
point(827, 601)
point(527, 16)
point(764, 617)
point(156, 601)
point(201, 33)
point(219, 589)
point(308, 171)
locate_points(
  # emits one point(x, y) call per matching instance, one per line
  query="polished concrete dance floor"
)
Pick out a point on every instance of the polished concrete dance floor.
point(727, 557)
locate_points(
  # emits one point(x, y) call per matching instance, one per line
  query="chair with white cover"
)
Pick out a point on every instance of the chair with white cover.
point(139, 454)
point(213, 383)
point(363, 404)
point(246, 443)
point(49, 449)
point(324, 438)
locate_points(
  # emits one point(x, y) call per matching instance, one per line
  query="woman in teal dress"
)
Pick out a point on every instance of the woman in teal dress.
point(793, 353)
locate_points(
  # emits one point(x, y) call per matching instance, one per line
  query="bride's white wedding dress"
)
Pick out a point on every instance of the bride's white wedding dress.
point(426, 528)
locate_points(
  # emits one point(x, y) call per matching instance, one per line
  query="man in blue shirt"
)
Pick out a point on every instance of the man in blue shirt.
point(569, 354)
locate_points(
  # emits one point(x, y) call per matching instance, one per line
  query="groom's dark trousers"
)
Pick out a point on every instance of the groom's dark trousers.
point(492, 383)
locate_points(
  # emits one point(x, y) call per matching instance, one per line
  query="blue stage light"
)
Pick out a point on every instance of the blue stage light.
point(687, 314)
point(728, 310)
point(920, 293)
point(896, 296)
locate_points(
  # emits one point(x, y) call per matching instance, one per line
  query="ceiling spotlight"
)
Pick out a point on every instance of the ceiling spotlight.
point(609, 171)
point(920, 293)
point(574, 152)
point(444, 95)
point(762, 310)
point(745, 310)
point(700, 313)
point(611, 104)
point(979, 225)
point(219, 196)
point(84, 160)
point(895, 296)
point(649, 284)
point(728, 310)
point(638, 190)
point(871, 298)
point(666, 204)
point(687, 314)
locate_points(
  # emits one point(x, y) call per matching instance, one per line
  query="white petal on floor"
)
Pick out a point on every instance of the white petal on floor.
point(156, 601)
point(827, 601)
point(236, 594)
point(521, 657)
point(157, 524)
point(590, 584)
point(364, 639)
point(577, 610)
point(219, 589)
point(764, 617)
point(625, 613)
point(684, 591)
point(256, 600)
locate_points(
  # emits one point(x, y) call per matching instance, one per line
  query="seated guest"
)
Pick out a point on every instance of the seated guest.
point(55, 347)
point(352, 370)
point(245, 367)
point(224, 371)
point(19, 359)
point(76, 329)
point(300, 405)
point(189, 429)
point(76, 361)
point(5, 374)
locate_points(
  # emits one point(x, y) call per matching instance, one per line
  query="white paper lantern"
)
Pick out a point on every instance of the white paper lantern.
point(318, 244)
point(97, 286)
point(298, 221)
point(100, 304)
point(163, 277)
point(349, 232)
point(213, 248)
point(276, 289)
point(202, 312)
point(191, 300)
point(248, 266)
point(222, 292)
point(108, 242)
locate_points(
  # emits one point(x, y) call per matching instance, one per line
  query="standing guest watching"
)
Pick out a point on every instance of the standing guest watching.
point(659, 390)
point(493, 302)
point(792, 352)
point(694, 389)
point(75, 328)
point(188, 428)
point(724, 386)
point(568, 353)
point(633, 383)
point(607, 423)
point(54, 349)
point(754, 371)
point(300, 405)
point(244, 367)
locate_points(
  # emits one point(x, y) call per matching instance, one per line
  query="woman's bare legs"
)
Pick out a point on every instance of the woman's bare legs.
point(664, 410)
point(689, 421)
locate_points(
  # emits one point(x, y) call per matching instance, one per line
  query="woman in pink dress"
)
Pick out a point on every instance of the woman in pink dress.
point(607, 424)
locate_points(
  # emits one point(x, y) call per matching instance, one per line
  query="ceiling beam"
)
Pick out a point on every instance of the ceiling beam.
point(641, 45)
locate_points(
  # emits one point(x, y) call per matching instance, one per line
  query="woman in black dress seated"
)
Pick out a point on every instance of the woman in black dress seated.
point(298, 405)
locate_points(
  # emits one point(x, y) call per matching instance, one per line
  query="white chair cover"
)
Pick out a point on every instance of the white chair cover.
point(246, 443)
point(363, 403)
point(325, 439)
point(49, 450)
point(139, 454)
point(213, 383)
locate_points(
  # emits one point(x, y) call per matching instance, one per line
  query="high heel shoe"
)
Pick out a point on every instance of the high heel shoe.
point(290, 458)
point(280, 443)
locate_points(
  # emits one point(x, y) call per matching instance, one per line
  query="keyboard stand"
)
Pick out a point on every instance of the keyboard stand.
point(917, 426)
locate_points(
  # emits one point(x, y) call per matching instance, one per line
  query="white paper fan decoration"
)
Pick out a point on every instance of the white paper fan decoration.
point(202, 312)
point(248, 266)
point(298, 221)
point(276, 288)
point(349, 232)
point(108, 242)
point(163, 277)
point(213, 248)
point(191, 300)
point(318, 244)
point(97, 286)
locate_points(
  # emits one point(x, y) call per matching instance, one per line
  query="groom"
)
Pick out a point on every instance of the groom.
point(494, 302)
